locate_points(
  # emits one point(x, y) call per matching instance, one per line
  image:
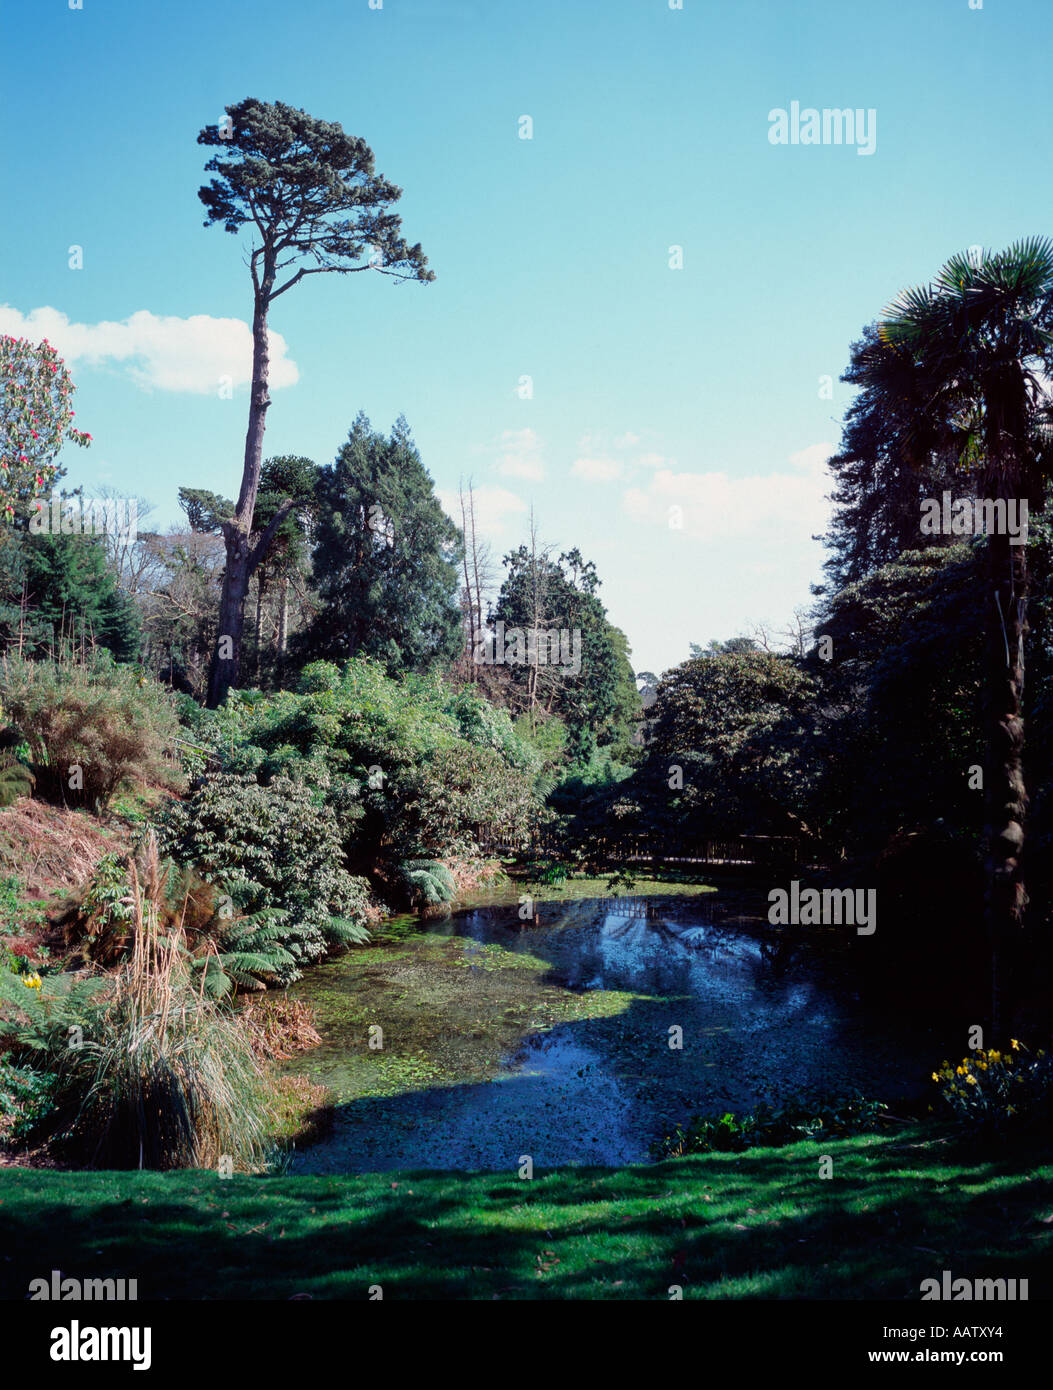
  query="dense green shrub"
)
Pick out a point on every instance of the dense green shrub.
point(276, 851)
point(90, 729)
point(770, 1128)
point(551, 872)
point(27, 1098)
point(43, 1021)
point(459, 794)
point(15, 913)
point(730, 749)
point(15, 780)
point(410, 767)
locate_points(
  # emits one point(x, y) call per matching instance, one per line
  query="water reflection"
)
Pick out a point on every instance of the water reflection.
point(750, 1017)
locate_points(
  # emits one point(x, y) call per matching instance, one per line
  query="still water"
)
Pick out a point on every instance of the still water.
point(583, 1037)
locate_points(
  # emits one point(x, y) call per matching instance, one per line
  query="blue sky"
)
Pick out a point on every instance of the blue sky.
point(653, 388)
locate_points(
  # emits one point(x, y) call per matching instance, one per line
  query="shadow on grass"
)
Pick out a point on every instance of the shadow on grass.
point(763, 1224)
point(760, 1225)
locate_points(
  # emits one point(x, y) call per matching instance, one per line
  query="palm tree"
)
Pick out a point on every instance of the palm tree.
point(967, 357)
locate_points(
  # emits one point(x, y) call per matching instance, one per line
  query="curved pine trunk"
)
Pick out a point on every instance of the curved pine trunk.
point(237, 534)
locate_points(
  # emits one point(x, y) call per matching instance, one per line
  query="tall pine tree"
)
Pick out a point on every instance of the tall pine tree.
point(386, 557)
point(59, 591)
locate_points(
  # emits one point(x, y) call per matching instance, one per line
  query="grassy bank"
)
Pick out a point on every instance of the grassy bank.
point(643, 882)
point(759, 1225)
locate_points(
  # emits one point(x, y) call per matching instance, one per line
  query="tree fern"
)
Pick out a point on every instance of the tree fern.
point(343, 932)
point(250, 953)
point(38, 1019)
point(427, 882)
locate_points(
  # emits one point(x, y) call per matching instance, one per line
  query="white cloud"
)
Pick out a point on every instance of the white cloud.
point(159, 352)
point(520, 455)
point(714, 506)
point(598, 445)
point(596, 470)
point(743, 554)
point(812, 460)
point(494, 507)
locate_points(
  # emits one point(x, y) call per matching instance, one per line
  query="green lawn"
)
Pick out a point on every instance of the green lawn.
point(646, 882)
point(760, 1225)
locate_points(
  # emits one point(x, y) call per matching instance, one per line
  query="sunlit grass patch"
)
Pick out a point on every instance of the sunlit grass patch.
point(747, 1226)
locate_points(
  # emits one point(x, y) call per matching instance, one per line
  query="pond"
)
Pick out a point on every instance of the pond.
point(552, 1038)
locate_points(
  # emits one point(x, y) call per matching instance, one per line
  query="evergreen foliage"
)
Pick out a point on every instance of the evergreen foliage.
point(385, 559)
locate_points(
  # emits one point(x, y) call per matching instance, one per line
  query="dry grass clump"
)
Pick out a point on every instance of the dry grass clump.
point(280, 1027)
point(51, 848)
point(175, 1080)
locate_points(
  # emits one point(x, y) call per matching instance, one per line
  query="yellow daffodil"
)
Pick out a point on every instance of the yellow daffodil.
point(31, 981)
point(971, 1080)
point(1015, 1045)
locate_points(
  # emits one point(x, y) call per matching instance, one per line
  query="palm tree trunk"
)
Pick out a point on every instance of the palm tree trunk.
point(1004, 790)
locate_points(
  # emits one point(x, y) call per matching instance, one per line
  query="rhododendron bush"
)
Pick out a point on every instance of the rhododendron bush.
point(36, 418)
